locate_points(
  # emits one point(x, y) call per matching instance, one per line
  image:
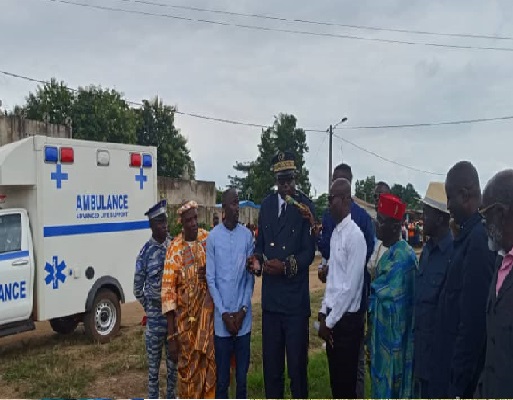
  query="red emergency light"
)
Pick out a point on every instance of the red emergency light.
point(67, 155)
point(135, 159)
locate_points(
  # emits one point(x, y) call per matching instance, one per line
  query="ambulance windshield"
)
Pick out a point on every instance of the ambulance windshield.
point(10, 233)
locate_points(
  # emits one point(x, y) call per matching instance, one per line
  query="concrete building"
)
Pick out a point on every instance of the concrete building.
point(14, 128)
point(178, 191)
point(248, 212)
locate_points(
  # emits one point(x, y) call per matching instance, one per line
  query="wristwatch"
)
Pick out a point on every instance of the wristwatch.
point(244, 309)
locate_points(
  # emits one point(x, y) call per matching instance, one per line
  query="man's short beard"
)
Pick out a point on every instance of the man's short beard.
point(494, 238)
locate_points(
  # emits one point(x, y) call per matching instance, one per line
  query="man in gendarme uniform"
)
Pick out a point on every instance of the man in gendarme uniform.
point(284, 250)
point(147, 290)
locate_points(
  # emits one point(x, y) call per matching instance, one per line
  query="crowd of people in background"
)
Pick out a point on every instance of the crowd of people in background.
point(435, 326)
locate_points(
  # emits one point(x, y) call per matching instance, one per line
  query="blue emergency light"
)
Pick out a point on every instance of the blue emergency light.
point(147, 161)
point(51, 154)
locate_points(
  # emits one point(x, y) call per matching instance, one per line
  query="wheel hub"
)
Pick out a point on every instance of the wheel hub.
point(105, 317)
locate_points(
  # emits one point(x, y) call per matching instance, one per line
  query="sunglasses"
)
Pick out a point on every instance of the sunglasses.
point(284, 181)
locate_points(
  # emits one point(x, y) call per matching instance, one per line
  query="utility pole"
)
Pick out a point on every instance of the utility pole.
point(330, 166)
point(330, 154)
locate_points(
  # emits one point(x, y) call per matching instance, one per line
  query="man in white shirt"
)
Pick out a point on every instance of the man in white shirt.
point(340, 317)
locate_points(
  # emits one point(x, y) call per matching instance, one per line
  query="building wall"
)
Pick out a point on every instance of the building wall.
point(178, 191)
point(13, 128)
point(246, 215)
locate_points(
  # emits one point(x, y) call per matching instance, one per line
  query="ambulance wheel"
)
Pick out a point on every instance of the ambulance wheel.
point(64, 326)
point(103, 320)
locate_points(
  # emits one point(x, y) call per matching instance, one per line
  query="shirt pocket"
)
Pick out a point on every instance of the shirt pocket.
point(432, 288)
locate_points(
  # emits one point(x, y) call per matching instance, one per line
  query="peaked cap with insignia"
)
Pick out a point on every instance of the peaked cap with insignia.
point(284, 164)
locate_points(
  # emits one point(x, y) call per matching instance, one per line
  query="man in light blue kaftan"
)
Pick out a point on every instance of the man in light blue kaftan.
point(391, 307)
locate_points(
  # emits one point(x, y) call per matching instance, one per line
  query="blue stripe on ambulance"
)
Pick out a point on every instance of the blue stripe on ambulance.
point(13, 255)
point(85, 229)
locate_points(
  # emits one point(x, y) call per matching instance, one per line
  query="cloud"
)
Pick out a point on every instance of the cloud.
point(253, 75)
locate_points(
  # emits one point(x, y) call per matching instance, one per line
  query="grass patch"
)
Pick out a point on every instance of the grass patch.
point(64, 367)
point(49, 374)
point(72, 367)
point(317, 365)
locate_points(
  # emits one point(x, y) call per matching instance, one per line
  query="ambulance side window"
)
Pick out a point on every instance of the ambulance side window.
point(10, 233)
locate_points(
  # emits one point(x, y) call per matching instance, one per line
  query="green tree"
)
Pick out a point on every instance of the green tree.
point(219, 195)
point(103, 115)
point(52, 103)
point(321, 205)
point(408, 194)
point(364, 189)
point(155, 127)
point(94, 113)
point(259, 179)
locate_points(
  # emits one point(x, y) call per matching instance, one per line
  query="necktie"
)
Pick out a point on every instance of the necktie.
point(282, 212)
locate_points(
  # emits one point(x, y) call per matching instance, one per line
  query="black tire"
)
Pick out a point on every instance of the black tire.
point(65, 325)
point(102, 322)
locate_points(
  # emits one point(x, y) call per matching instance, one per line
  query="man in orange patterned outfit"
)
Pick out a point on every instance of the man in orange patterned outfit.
point(189, 309)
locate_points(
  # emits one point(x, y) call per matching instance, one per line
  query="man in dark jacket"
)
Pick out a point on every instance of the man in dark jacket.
point(358, 215)
point(284, 250)
point(459, 345)
point(428, 283)
point(497, 211)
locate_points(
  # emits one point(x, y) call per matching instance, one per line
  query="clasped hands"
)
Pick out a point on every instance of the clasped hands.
point(233, 321)
point(270, 267)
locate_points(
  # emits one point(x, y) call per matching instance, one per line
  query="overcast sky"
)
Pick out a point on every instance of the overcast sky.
point(248, 75)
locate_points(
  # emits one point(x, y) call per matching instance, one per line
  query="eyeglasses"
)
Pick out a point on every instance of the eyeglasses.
point(332, 197)
point(483, 211)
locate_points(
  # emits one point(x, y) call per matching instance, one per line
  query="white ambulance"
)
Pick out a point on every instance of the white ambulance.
point(71, 225)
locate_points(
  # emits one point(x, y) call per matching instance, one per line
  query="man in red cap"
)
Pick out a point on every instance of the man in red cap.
point(391, 306)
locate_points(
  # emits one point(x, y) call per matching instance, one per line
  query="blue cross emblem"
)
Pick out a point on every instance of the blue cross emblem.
point(55, 272)
point(141, 178)
point(58, 176)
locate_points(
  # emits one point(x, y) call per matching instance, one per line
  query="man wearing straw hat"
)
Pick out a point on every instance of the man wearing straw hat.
point(430, 276)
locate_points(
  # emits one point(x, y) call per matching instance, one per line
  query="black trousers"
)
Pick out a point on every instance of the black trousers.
point(285, 335)
point(343, 357)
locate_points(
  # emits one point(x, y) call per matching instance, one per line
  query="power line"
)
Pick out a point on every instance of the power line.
point(193, 115)
point(292, 31)
point(386, 159)
point(254, 125)
point(233, 122)
point(321, 23)
point(427, 124)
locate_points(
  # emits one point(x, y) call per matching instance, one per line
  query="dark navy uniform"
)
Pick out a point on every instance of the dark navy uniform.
point(147, 290)
point(285, 235)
